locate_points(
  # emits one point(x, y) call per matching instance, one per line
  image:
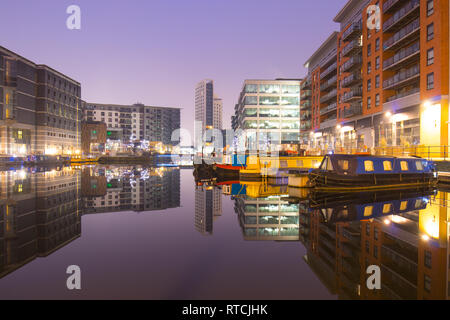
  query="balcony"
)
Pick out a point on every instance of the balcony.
point(402, 78)
point(328, 84)
point(403, 36)
point(328, 122)
point(329, 71)
point(353, 62)
point(330, 58)
point(305, 84)
point(391, 5)
point(305, 94)
point(403, 15)
point(352, 95)
point(352, 48)
point(404, 94)
point(328, 96)
point(352, 79)
point(353, 111)
point(305, 104)
point(330, 108)
point(305, 116)
point(402, 57)
point(353, 31)
point(304, 126)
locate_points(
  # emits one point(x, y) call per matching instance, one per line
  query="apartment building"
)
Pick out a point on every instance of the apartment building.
point(39, 108)
point(410, 247)
point(268, 111)
point(39, 214)
point(392, 78)
point(136, 123)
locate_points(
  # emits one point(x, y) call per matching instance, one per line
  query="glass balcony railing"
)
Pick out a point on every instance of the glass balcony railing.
point(354, 93)
point(329, 70)
point(352, 62)
point(329, 108)
point(305, 93)
point(402, 76)
point(389, 4)
point(402, 55)
point(353, 30)
point(353, 110)
point(402, 34)
point(328, 96)
point(351, 79)
point(305, 105)
point(403, 94)
point(400, 14)
point(332, 81)
point(351, 47)
point(305, 84)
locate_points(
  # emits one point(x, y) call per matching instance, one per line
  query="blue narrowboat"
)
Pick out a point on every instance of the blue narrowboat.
point(365, 172)
point(370, 205)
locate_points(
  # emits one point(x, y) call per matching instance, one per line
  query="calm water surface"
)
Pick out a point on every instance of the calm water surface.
point(153, 234)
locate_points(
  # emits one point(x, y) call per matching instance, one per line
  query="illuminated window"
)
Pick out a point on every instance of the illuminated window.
point(20, 188)
point(343, 164)
point(387, 165)
point(403, 205)
point(419, 165)
point(387, 208)
point(19, 135)
point(418, 203)
point(404, 165)
point(368, 165)
point(368, 211)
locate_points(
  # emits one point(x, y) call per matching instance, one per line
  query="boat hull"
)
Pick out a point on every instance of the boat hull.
point(332, 182)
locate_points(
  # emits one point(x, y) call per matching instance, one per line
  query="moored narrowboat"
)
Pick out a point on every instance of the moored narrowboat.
point(343, 173)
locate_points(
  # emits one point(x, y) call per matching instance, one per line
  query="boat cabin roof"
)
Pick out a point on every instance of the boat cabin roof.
point(367, 164)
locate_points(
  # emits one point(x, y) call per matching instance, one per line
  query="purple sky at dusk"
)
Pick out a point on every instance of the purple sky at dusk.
point(155, 51)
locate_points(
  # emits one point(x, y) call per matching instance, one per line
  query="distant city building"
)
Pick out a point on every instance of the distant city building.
point(93, 137)
point(152, 189)
point(136, 122)
point(269, 112)
point(39, 108)
point(208, 206)
point(208, 108)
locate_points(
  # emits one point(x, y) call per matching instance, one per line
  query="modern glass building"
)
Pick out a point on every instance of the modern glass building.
point(268, 112)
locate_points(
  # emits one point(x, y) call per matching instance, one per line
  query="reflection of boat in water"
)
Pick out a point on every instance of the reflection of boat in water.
point(368, 205)
point(341, 173)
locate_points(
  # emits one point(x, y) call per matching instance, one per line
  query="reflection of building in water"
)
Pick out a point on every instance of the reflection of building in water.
point(269, 218)
point(129, 189)
point(411, 248)
point(39, 213)
point(208, 206)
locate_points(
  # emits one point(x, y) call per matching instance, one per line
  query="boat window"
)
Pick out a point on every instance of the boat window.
point(368, 165)
point(283, 163)
point(419, 165)
point(329, 165)
point(387, 165)
point(324, 164)
point(300, 163)
point(343, 164)
point(387, 208)
point(403, 205)
point(404, 165)
point(368, 211)
point(419, 203)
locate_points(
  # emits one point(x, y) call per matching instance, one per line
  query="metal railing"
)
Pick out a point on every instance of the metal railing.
point(401, 55)
point(400, 14)
point(439, 153)
point(400, 35)
point(402, 76)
